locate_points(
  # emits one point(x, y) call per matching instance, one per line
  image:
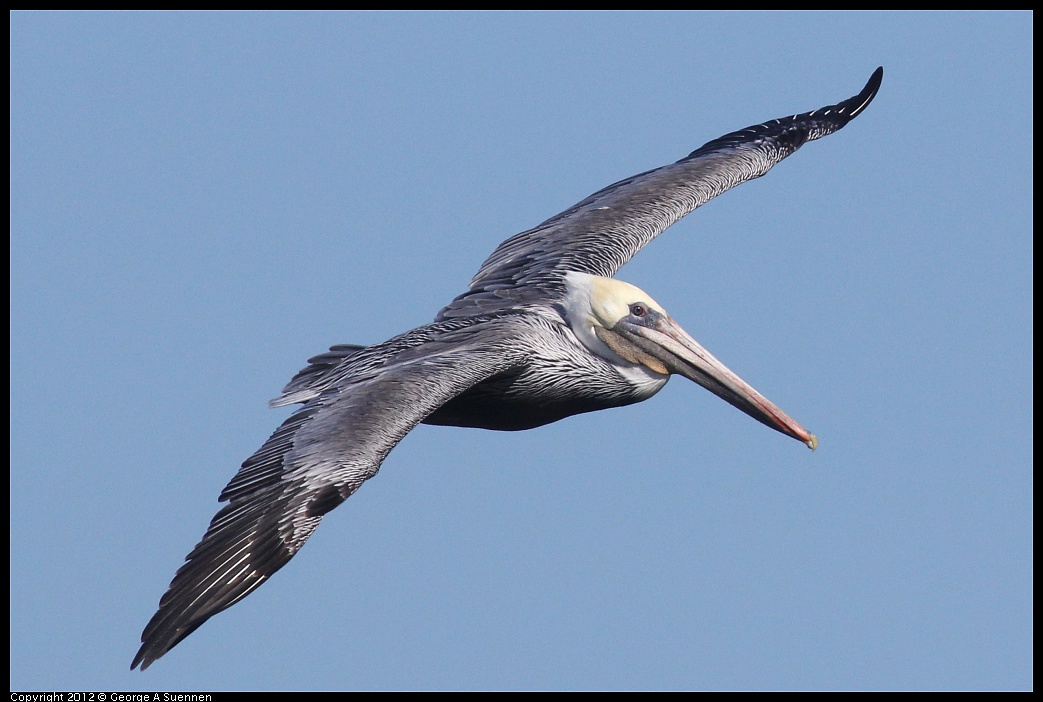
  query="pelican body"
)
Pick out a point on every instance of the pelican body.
point(544, 332)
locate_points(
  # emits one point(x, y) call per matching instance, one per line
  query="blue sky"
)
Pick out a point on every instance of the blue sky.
point(200, 202)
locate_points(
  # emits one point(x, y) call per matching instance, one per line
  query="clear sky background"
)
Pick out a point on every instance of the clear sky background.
point(200, 202)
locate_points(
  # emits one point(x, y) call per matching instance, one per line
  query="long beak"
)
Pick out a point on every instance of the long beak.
point(681, 354)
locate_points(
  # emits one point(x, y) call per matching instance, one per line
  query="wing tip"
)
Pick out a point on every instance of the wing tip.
point(141, 662)
point(152, 649)
point(146, 656)
point(862, 100)
point(159, 637)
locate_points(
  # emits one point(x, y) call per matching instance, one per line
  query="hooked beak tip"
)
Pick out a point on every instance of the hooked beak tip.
point(670, 349)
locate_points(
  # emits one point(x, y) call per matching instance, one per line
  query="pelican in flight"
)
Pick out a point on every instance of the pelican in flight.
point(544, 332)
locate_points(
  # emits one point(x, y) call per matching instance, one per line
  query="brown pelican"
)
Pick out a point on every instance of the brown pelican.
point(544, 332)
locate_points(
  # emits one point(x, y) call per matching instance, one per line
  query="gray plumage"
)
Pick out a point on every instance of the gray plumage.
point(541, 334)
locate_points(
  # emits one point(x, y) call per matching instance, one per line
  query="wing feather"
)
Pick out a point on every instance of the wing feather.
point(602, 232)
point(313, 462)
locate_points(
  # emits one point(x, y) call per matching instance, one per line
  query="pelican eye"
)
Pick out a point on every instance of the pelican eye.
point(638, 310)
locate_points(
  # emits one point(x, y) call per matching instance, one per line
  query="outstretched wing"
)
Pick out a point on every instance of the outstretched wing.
point(315, 461)
point(601, 233)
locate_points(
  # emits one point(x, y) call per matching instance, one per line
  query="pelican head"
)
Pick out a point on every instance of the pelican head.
point(623, 325)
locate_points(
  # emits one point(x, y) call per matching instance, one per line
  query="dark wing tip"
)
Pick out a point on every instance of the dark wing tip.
point(853, 106)
point(789, 133)
point(861, 101)
point(152, 650)
point(199, 591)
